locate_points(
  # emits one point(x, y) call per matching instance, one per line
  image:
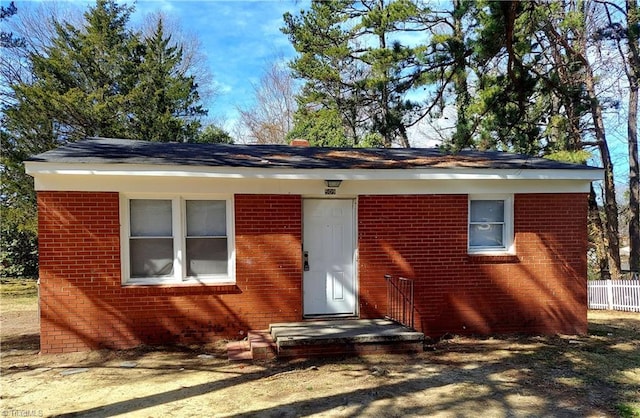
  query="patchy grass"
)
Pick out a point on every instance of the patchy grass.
point(14, 287)
point(18, 294)
point(600, 369)
point(613, 357)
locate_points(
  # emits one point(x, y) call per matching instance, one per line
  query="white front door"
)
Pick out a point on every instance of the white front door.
point(328, 257)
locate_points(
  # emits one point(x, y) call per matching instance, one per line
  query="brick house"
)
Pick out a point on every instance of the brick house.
point(156, 243)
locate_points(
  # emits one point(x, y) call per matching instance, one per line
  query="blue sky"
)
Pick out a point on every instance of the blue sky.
point(240, 39)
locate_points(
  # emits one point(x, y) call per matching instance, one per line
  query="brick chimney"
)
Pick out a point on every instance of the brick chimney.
point(299, 143)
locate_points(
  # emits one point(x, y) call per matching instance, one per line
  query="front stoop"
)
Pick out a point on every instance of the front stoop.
point(345, 337)
point(259, 345)
point(327, 338)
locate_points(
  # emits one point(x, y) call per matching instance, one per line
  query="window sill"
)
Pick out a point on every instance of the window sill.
point(190, 283)
point(493, 258)
point(490, 252)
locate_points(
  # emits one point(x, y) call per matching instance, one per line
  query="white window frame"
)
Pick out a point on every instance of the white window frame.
point(179, 230)
point(508, 231)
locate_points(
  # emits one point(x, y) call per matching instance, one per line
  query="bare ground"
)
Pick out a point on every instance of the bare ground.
point(593, 375)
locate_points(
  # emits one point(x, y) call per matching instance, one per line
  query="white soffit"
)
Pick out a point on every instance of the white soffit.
point(308, 182)
point(39, 169)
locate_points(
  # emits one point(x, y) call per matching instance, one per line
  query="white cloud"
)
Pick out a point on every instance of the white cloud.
point(429, 133)
point(222, 88)
point(149, 6)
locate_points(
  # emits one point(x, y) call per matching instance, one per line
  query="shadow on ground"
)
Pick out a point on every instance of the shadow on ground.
point(597, 374)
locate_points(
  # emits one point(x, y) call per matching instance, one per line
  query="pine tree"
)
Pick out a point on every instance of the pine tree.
point(355, 66)
point(165, 99)
point(81, 81)
point(100, 79)
point(8, 39)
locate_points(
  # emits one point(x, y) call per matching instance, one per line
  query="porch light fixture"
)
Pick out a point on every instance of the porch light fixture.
point(333, 183)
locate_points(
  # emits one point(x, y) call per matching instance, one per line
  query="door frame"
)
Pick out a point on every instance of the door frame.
point(354, 261)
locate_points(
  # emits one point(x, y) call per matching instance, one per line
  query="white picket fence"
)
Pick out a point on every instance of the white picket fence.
point(619, 295)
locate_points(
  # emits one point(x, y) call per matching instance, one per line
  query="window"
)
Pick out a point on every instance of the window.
point(490, 224)
point(151, 238)
point(206, 239)
point(176, 240)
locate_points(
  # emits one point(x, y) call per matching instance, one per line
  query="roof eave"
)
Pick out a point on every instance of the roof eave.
point(35, 169)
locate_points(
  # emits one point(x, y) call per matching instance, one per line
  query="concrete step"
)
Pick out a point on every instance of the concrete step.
point(354, 349)
point(345, 337)
point(326, 338)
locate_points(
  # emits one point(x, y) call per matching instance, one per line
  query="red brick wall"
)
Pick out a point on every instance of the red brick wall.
point(84, 306)
point(269, 258)
point(542, 289)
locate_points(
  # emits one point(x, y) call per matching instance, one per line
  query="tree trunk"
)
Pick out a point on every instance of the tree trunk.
point(634, 179)
point(462, 136)
point(632, 134)
point(578, 50)
point(610, 204)
point(599, 239)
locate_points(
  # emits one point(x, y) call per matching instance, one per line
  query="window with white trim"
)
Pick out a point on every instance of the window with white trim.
point(490, 224)
point(177, 239)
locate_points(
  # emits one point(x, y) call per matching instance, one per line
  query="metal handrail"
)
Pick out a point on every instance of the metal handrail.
point(400, 301)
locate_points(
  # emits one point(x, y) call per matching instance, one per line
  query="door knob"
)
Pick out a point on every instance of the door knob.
point(305, 257)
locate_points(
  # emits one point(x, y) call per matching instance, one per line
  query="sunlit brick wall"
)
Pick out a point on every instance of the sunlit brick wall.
point(269, 258)
point(84, 306)
point(540, 289)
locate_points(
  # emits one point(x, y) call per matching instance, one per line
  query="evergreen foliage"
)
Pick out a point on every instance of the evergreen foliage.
point(212, 134)
point(105, 80)
point(101, 79)
point(165, 100)
point(355, 69)
point(7, 39)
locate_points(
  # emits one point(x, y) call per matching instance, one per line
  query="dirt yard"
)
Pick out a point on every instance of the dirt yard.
point(594, 375)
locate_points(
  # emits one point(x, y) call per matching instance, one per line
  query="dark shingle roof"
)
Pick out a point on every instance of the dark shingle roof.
point(124, 151)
